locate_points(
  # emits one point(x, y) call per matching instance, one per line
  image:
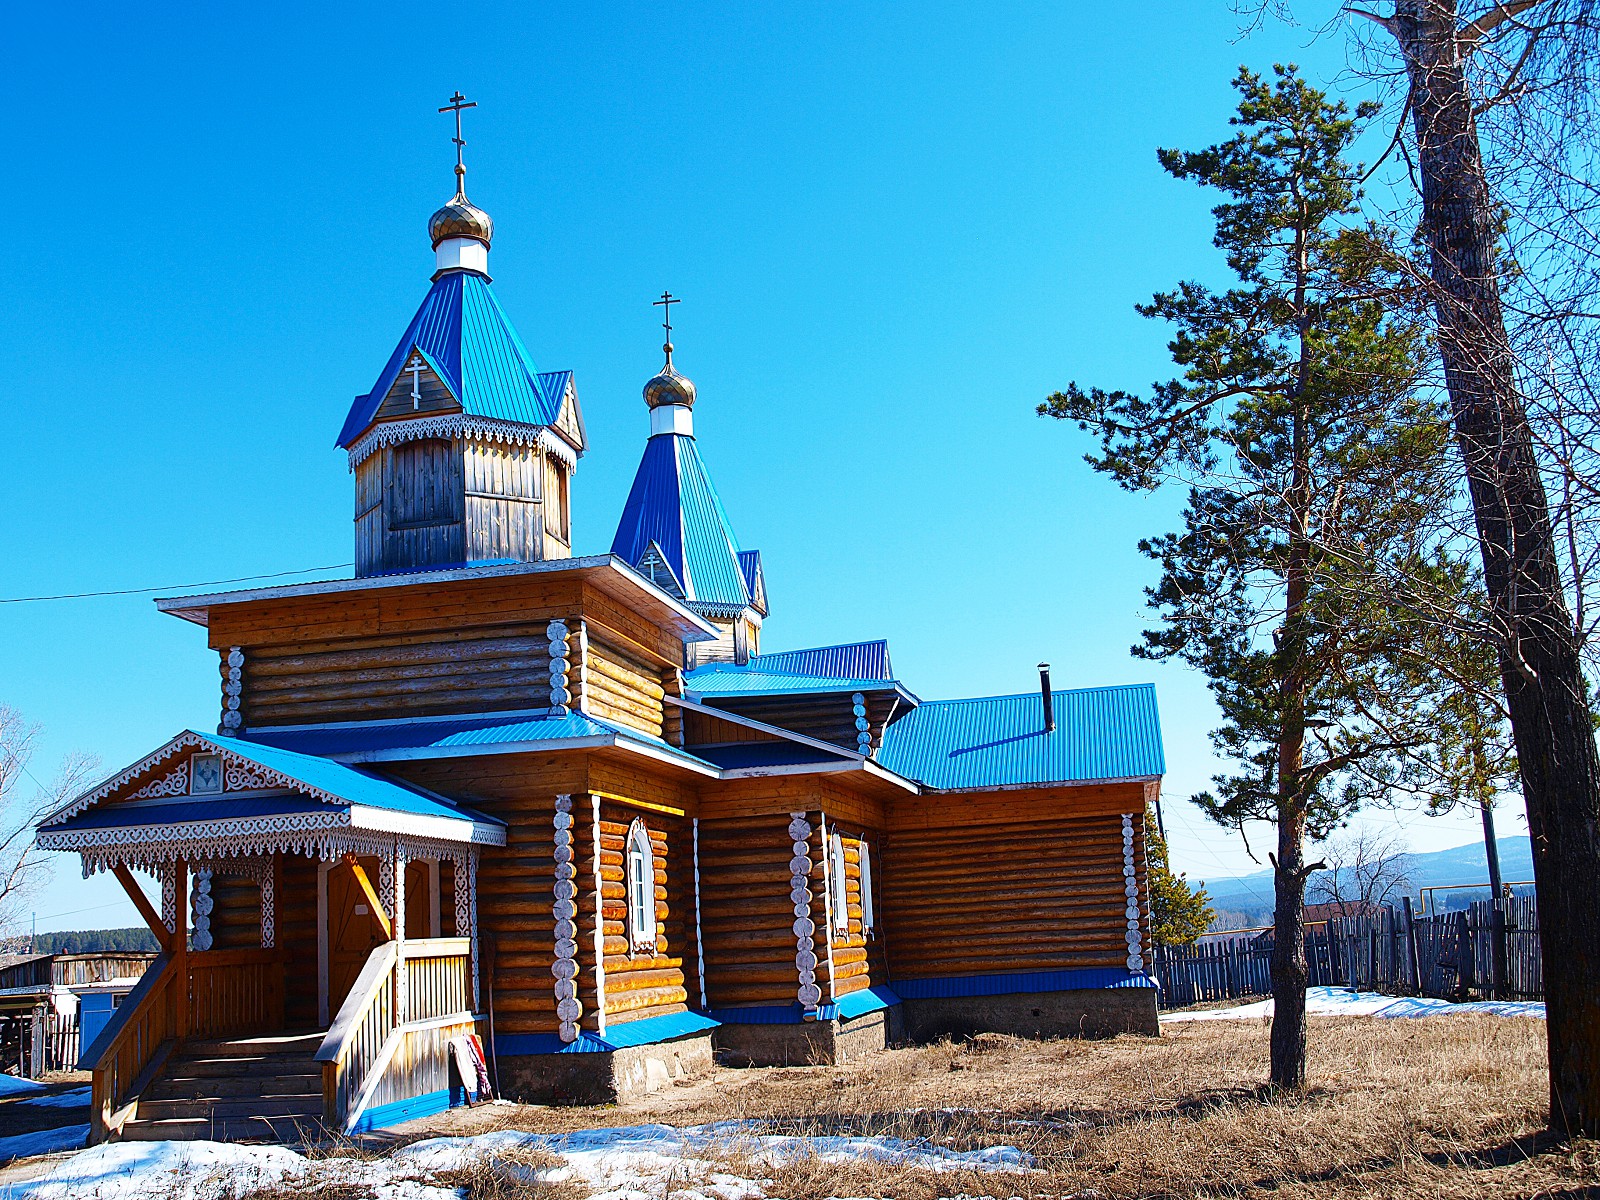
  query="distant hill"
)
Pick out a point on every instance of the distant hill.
point(93, 941)
point(1247, 899)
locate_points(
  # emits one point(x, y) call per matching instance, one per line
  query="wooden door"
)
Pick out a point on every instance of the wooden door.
point(419, 900)
point(353, 930)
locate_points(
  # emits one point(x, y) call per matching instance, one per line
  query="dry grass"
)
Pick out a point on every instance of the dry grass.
point(1444, 1107)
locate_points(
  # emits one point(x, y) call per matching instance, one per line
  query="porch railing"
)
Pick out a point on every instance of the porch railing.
point(368, 1028)
point(235, 992)
point(133, 1045)
point(437, 979)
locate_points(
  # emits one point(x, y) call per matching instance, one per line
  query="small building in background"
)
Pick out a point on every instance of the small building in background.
point(52, 1004)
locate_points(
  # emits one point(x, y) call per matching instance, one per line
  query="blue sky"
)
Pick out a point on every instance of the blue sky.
point(895, 229)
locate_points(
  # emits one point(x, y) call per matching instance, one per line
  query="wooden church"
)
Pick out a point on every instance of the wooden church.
point(572, 805)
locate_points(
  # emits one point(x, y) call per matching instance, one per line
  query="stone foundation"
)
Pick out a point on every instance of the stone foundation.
point(1087, 1012)
point(603, 1078)
point(809, 1043)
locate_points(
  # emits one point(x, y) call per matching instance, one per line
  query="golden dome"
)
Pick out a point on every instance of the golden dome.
point(669, 387)
point(460, 219)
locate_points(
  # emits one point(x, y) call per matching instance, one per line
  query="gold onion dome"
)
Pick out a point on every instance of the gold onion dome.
point(460, 219)
point(669, 387)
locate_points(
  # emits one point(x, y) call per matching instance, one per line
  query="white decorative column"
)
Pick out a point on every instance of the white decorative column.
point(565, 912)
point(560, 696)
point(269, 907)
point(805, 958)
point(232, 690)
point(858, 708)
point(202, 905)
point(599, 923)
point(169, 896)
point(1130, 891)
point(699, 944)
point(472, 921)
point(829, 917)
point(398, 918)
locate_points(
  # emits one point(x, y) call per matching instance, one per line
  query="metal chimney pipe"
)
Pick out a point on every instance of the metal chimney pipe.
point(1048, 697)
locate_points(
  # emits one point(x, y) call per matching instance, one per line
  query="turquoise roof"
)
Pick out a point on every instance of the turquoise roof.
point(730, 679)
point(468, 340)
point(674, 507)
point(1000, 741)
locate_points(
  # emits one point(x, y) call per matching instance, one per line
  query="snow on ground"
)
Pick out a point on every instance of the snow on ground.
point(1341, 1002)
point(75, 1098)
point(45, 1141)
point(629, 1163)
point(13, 1084)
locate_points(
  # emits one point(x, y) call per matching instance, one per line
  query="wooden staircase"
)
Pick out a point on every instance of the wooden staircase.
point(244, 1089)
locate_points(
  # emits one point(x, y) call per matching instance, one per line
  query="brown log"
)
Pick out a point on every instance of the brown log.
point(633, 981)
point(647, 998)
point(624, 678)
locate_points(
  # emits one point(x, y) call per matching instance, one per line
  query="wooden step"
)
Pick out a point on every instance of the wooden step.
point(305, 1044)
point(232, 1108)
point(240, 1068)
point(182, 1086)
point(224, 1129)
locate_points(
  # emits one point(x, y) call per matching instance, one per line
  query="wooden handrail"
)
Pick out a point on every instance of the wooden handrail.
point(126, 1054)
point(437, 947)
point(377, 974)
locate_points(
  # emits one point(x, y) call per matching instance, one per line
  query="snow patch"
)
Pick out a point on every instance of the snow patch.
point(628, 1163)
point(12, 1084)
point(75, 1098)
point(1341, 1002)
point(45, 1141)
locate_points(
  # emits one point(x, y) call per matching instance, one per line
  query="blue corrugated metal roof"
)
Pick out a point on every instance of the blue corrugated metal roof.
point(728, 679)
point(470, 343)
point(453, 733)
point(674, 504)
point(853, 660)
point(349, 784)
point(736, 755)
point(999, 741)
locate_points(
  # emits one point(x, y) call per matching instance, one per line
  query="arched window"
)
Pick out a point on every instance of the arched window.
point(866, 888)
point(841, 892)
point(641, 884)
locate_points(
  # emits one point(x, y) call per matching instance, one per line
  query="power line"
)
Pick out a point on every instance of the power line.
point(170, 587)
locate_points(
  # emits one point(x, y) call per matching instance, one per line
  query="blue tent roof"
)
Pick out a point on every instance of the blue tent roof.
point(674, 505)
point(468, 340)
point(999, 741)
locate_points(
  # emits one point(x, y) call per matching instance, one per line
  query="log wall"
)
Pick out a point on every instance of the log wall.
point(1023, 895)
point(858, 961)
point(747, 918)
point(235, 912)
point(828, 718)
point(622, 685)
point(397, 675)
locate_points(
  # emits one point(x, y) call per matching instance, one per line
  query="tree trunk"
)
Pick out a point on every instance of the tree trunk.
point(1289, 972)
point(1545, 693)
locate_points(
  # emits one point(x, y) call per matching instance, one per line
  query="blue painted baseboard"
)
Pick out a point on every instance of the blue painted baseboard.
point(618, 1036)
point(428, 1104)
point(1022, 981)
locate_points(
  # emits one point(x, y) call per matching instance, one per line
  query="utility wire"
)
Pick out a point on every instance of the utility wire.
point(169, 587)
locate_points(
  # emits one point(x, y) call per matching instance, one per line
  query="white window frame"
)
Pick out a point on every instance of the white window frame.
point(639, 877)
point(864, 853)
point(841, 886)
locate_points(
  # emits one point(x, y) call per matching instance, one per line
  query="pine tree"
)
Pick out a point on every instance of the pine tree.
point(1309, 450)
point(1179, 914)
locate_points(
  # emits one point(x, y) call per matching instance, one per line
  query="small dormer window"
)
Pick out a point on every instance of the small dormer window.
point(424, 484)
point(841, 889)
point(640, 871)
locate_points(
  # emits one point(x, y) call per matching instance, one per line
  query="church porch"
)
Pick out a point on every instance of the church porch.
point(302, 933)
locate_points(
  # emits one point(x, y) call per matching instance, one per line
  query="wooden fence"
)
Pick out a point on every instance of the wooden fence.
point(1491, 949)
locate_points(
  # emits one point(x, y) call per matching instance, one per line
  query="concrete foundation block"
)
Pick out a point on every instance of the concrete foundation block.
point(810, 1043)
point(1089, 1012)
point(604, 1078)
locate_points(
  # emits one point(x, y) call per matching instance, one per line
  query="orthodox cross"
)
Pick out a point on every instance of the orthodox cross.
point(415, 366)
point(457, 103)
point(665, 305)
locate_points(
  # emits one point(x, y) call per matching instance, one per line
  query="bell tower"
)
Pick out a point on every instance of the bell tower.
point(463, 451)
